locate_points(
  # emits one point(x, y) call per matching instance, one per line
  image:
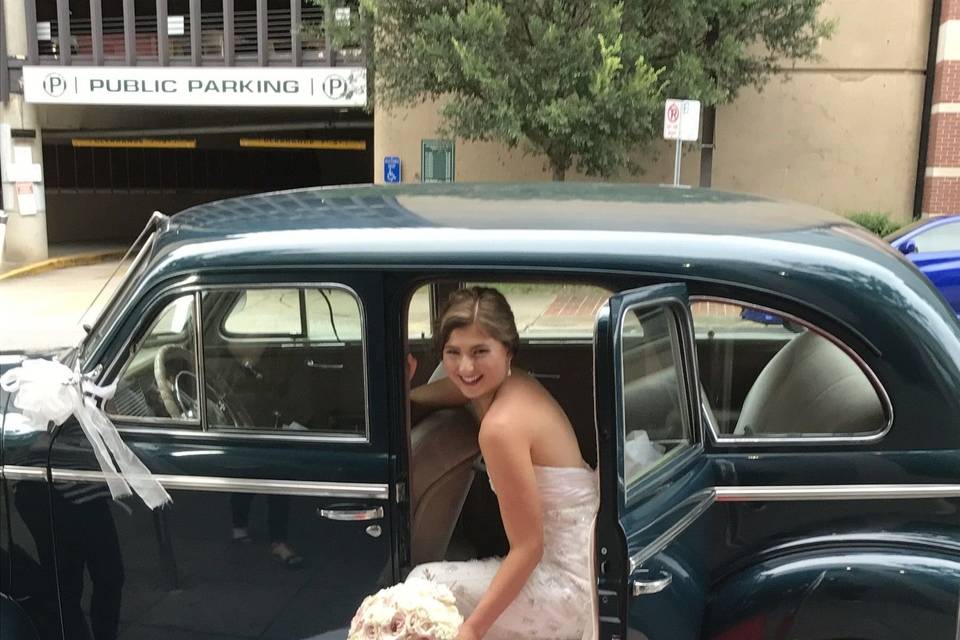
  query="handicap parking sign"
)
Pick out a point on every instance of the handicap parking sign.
point(391, 169)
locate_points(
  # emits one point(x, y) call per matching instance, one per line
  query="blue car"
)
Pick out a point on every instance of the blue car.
point(934, 247)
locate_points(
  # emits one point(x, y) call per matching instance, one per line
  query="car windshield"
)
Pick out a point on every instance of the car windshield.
point(902, 231)
point(111, 309)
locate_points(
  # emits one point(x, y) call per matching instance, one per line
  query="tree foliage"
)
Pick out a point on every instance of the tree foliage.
point(579, 81)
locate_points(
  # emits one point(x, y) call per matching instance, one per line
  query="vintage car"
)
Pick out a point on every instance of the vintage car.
point(790, 478)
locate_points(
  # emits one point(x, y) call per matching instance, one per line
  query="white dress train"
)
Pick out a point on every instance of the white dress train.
point(555, 602)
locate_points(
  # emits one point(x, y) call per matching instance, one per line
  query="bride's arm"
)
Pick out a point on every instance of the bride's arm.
point(506, 452)
point(436, 394)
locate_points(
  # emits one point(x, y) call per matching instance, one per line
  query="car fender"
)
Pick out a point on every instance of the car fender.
point(14, 621)
point(862, 594)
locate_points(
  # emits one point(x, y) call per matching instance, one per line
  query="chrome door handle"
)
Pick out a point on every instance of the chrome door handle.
point(323, 365)
point(351, 515)
point(648, 587)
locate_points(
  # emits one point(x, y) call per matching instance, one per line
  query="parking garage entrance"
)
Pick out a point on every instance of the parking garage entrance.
point(102, 185)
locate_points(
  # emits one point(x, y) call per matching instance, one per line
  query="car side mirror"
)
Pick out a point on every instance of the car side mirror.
point(908, 247)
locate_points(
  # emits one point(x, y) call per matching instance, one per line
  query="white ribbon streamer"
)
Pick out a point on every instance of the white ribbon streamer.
point(48, 390)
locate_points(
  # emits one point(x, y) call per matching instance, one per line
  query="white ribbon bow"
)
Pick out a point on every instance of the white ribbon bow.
point(48, 390)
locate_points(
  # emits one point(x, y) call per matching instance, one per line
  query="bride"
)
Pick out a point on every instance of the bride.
point(546, 493)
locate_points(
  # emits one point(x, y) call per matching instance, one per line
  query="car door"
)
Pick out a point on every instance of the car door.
point(208, 564)
point(655, 478)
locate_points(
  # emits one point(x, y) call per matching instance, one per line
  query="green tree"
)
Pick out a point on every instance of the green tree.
point(578, 81)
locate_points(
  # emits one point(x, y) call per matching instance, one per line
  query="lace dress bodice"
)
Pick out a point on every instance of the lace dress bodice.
point(554, 604)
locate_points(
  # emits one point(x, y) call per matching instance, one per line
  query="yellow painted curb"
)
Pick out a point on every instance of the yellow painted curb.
point(61, 262)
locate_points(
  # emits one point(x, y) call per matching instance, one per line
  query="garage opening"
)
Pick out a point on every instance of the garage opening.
point(102, 187)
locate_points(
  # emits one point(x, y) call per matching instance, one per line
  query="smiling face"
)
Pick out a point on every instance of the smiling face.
point(477, 362)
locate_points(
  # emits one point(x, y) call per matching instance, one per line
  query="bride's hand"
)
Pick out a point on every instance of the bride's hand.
point(411, 367)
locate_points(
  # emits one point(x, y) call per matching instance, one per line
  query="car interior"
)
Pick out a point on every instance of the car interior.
point(266, 351)
point(761, 375)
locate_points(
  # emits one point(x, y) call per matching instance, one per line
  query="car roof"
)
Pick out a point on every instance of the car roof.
point(585, 224)
point(748, 241)
point(699, 233)
point(529, 206)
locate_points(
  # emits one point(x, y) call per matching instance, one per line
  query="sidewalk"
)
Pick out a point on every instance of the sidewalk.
point(65, 255)
point(41, 309)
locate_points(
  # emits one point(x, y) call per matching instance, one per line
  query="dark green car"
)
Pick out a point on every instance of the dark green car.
point(771, 396)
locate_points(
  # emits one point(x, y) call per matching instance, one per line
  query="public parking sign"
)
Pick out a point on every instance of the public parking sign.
point(391, 169)
point(681, 120)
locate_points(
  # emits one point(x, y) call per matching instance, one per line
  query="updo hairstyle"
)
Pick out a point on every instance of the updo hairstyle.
point(484, 306)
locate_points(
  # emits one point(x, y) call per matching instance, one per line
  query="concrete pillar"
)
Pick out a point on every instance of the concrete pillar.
point(26, 232)
point(26, 228)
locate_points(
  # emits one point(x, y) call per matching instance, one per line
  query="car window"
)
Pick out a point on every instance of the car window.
point(552, 310)
point(945, 237)
point(159, 378)
point(767, 375)
point(418, 315)
point(265, 312)
point(284, 360)
point(655, 419)
point(332, 316)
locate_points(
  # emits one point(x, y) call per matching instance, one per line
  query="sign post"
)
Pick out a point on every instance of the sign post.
point(681, 122)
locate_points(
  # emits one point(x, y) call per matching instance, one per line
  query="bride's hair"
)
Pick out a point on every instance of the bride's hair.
point(484, 306)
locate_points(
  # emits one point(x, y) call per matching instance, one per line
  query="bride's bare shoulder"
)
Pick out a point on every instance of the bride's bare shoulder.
point(520, 401)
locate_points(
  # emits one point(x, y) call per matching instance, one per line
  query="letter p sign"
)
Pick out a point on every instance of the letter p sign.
point(54, 85)
point(334, 87)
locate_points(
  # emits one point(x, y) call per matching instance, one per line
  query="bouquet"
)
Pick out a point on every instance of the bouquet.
point(414, 610)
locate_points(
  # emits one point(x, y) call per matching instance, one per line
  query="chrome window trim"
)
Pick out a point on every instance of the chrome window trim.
point(198, 361)
point(705, 498)
point(189, 285)
point(866, 438)
point(789, 493)
point(245, 434)
point(721, 493)
point(347, 490)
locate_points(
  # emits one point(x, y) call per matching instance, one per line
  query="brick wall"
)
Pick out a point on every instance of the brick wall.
point(941, 185)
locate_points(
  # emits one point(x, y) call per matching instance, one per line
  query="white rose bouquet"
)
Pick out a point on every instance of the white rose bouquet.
point(414, 610)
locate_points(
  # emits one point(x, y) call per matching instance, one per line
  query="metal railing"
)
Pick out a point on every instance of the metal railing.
point(264, 37)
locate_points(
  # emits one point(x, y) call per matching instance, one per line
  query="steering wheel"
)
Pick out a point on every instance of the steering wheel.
point(173, 371)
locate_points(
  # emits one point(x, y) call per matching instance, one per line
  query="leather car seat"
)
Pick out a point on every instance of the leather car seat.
point(810, 386)
point(443, 448)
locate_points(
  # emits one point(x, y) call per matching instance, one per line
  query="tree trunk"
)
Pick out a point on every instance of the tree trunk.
point(559, 173)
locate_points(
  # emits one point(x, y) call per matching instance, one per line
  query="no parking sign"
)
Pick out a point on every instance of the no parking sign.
point(681, 120)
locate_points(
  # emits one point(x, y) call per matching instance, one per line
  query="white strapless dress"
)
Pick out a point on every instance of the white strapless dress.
point(555, 603)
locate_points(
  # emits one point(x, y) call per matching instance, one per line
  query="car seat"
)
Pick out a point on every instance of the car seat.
point(810, 387)
point(443, 448)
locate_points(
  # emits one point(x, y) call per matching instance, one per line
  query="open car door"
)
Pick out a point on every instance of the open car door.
point(656, 482)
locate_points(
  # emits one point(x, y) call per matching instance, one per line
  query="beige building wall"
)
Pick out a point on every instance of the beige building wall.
point(841, 133)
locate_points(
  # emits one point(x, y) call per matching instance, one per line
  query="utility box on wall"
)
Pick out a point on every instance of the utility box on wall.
point(436, 161)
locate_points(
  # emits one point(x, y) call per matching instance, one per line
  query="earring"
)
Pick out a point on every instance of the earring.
point(509, 371)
